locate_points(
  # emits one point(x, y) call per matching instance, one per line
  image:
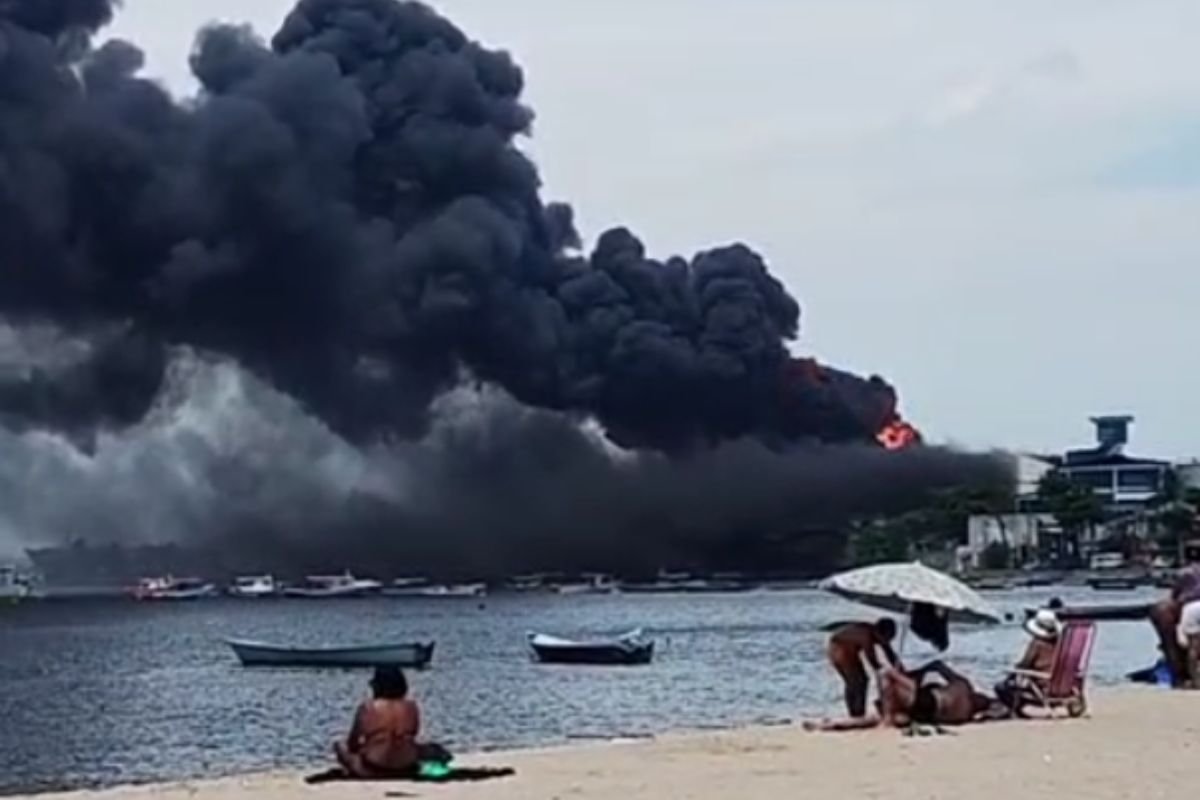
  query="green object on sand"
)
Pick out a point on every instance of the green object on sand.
point(434, 769)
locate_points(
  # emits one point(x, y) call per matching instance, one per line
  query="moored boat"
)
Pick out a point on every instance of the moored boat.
point(419, 587)
point(416, 655)
point(591, 584)
point(13, 588)
point(171, 588)
point(1100, 612)
point(254, 586)
point(331, 586)
point(1114, 583)
point(632, 648)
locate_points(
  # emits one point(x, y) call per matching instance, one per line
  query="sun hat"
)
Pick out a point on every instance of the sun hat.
point(1043, 625)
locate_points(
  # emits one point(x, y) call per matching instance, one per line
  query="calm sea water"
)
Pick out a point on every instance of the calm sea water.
point(114, 692)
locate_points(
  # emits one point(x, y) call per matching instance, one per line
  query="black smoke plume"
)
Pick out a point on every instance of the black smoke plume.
point(344, 213)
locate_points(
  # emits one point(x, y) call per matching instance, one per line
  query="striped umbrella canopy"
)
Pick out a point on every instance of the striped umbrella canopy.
point(897, 587)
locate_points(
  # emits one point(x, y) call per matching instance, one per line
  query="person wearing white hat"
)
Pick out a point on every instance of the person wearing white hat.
point(1044, 629)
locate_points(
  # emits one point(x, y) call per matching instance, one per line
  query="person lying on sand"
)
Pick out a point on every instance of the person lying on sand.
point(383, 738)
point(848, 646)
point(1044, 630)
point(909, 699)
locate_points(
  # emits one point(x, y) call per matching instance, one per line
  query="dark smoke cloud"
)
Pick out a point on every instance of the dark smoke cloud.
point(239, 472)
point(235, 320)
point(345, 213)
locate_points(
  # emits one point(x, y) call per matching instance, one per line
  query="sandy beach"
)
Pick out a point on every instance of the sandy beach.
point(1136, 744)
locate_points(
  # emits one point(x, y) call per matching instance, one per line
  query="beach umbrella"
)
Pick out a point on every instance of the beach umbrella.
point(898, 587)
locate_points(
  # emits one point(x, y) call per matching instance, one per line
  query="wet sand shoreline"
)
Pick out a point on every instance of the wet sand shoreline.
point(1137, 743)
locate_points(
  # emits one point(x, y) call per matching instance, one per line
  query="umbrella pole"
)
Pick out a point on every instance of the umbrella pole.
point(904, 626)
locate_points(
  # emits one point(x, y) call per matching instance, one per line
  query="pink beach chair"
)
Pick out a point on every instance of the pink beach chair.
point(1063, 686)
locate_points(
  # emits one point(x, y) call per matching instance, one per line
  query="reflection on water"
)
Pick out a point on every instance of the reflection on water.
point(115, 692)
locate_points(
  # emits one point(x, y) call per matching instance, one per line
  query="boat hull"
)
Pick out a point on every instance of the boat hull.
point(614, 653)
point(1107, 612)
point(331, 594)
point(178, 595)
point(260, 654)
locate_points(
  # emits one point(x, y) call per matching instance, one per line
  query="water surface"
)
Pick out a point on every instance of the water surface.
point(112, 692)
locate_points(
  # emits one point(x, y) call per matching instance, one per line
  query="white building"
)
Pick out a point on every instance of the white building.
point(1024, 534)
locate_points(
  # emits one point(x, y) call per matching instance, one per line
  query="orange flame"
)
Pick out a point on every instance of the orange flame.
point(897, 435)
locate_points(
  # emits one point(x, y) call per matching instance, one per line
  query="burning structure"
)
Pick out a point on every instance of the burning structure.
point(343, 215)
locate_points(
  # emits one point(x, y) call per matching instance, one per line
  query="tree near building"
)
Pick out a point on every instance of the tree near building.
point(1074, 506)
point(1178, 509)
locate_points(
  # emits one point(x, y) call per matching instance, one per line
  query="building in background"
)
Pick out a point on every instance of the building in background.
point(1132, 491)
point(1123, 483)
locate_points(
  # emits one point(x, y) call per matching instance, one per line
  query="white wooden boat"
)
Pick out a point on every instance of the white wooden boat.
point(13, 589)
point(331, 586)
point(630, 649)
point(416, 655)
point(418, 587)
point(254, 586)
point(170, 588)
point(591, 584)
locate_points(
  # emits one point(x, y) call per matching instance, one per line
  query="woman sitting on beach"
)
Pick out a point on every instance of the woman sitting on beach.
point(1044, 629)
point(907, 699)
point(383, 739)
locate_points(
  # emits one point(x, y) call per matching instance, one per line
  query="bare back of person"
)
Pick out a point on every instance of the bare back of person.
point(852, 648)
point(385, 734)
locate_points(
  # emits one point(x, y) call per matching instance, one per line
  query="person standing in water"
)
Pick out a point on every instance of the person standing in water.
point(849, 645)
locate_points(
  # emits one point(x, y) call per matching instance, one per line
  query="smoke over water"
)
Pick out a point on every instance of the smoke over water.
point(322, 305)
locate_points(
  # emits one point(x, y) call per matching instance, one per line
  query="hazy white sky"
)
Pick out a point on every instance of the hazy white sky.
point(993, 203)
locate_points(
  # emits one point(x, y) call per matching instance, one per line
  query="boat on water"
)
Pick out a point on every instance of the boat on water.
point(13, 586)
point(990, 584)
point(415, 655)
point(171, 588)
point(1115, 583)
point(632, 648)
point(254, 586)
point(534, 582)
point(418, 587)
point(332, 586)
point(591, 584)
point(1099, 612)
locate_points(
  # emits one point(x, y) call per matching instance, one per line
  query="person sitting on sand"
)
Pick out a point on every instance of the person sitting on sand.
point(383, 738)
point(909, 700)
point(848, 646)
point(1044, 630)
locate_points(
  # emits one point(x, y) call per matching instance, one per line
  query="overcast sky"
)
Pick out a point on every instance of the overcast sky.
point(995, 205)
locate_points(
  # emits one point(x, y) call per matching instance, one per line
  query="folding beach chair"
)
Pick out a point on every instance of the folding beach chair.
point(1063, 686)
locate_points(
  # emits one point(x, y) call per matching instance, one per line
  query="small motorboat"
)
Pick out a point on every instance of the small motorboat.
point(1114, 584)
point(13, 588)
point(595, 583)
point(629, 649)
point(418, 587)
point(254, 586)
point(170, 588)
point(1100, 612)
point(330, 586)
point(415, 655)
